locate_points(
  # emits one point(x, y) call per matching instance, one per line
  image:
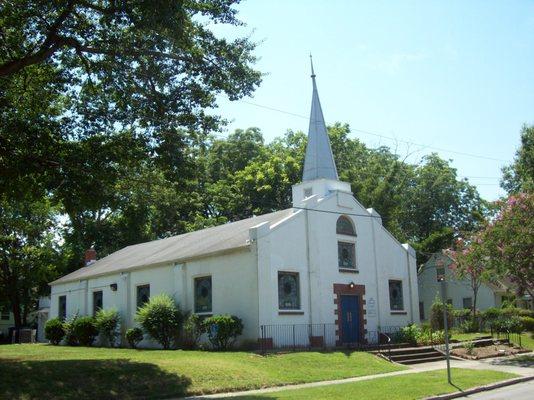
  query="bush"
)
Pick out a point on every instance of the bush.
point(161, 319)
point(410, 334)
point(469, 325)
point(222, 330)
point(528, 323)
point(436, 315)
point(107, 323)
point(68, 325)
point(426, 338)
point(84, 330)
point(469, 347)
point(191, 332)
point(54, 331)
point(507, 324)
point(462, 314)
point(134, 336)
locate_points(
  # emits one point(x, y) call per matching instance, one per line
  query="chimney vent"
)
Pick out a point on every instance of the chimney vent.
point(90, 256)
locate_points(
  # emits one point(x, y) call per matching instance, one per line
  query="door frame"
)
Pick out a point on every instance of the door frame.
point(341, 289)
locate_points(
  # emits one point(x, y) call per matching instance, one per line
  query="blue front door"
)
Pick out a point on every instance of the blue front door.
point(350, 319)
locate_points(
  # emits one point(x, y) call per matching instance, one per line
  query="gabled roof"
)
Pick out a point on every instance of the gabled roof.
point(319, 160)
point(176, 248)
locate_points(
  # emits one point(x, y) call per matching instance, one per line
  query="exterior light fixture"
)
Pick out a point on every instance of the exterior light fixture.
point(113, 287)
point(351, 285)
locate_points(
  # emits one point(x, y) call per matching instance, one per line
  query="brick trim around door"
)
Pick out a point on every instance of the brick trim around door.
point(341, 289)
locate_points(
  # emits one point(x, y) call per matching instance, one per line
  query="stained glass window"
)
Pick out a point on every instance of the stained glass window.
point(143, 295)
point(344, 226)
point(288, 291)
point(346, 255)
point(203, 294)
point(396, 301)
point(97, 301)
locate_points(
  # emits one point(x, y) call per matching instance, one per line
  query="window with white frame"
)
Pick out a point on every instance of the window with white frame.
point(62, 307)
point(396, 301)
point(203, 294)
point(346, 255)
point(344, 226)
point(97, 301)
point(467, 302)
point(288, 291)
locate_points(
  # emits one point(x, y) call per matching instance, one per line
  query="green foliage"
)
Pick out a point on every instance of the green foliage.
point(469, 325)
point(107, 323)
point(528, 323)
point(491, 313)
point(161, 319)
point(519, 177)
point(222, 330)
point(422, 336)
point(512, 324)
point(410, 334)
point(191, 331)
point(134, 336)
point(54, 330)
point(83, 330)
point(469, 346)
point(463, 313)
point(68, 325)
point(436, 315)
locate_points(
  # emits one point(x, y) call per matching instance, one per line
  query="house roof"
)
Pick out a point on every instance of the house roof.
point(176, 248)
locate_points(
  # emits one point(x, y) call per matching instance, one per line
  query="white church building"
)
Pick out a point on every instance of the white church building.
point(325, 272)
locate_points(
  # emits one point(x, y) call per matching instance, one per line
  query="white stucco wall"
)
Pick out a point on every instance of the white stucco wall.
point(234, 288)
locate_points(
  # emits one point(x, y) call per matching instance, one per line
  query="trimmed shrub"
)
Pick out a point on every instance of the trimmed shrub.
point(161, 319)
point(54, 331)
point(134, 336)
point(191, 332)
point(436, 315)
point(107, 323)
point(507, 324)
point(84, 330)
point(222, 330)
point(462, 314)
point(528, 323)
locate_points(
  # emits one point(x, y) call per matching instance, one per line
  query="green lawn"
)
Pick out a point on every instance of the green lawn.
point(402, 387)
point(527, 341)
point(60, 372)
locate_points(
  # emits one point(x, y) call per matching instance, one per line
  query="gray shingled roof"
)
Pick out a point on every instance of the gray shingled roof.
point(176, 248)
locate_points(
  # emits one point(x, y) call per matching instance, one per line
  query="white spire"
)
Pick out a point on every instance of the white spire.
point(319, 161)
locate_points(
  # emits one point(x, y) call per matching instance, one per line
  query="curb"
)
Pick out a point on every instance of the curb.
point(479, 389)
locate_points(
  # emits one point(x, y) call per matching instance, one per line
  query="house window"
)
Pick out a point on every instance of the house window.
point(344, 226)
point(449, 301)
point(97, 301)
point(62, 307)
point(440, 273)
point(346, 255)
point(421, 311)
point(203, 294)
point(467, 302)
point(4, 316)
point(395, 295)
point(288, 291)
point(143, 295)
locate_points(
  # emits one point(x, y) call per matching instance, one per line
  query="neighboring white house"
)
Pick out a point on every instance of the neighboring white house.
point(459, 291)
point(6, 320)
point(327, 263)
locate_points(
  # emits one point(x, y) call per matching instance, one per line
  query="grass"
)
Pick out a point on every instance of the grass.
point(402, 387)
point(60, 372)
point(527, 341)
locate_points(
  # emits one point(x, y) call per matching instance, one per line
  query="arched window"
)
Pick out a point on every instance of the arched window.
point(344, 226)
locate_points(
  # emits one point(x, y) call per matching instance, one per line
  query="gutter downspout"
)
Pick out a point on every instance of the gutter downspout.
point(410, 282)
point(376, 276)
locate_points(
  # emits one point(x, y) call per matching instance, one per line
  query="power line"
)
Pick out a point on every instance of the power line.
point(383, 136)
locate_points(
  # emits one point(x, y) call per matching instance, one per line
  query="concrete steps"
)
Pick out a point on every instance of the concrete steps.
point(414, 355)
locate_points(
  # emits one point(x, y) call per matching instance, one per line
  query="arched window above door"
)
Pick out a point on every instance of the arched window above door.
point(345, 226)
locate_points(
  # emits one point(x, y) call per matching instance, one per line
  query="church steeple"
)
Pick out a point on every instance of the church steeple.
point(319, 162)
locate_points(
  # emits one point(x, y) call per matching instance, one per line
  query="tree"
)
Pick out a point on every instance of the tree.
point(507, 242)
point(28, 259)
point(519, 177)
point(469, 263)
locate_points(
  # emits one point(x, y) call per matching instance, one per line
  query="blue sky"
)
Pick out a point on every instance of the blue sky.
point(451, 75)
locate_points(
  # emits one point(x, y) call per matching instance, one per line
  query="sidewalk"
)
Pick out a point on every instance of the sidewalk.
point(501, 364)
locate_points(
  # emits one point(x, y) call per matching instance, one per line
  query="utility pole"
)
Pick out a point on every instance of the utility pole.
point(441, 278)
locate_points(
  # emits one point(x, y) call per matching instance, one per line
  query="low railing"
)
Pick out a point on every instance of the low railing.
point(302, 337)
point(510, 336)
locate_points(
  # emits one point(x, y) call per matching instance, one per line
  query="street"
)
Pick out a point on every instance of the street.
point(522, 391)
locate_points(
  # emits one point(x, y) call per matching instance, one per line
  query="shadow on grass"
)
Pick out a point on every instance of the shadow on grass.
point(88, 379)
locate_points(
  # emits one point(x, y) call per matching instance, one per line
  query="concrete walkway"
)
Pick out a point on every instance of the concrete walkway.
point(504, 364)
